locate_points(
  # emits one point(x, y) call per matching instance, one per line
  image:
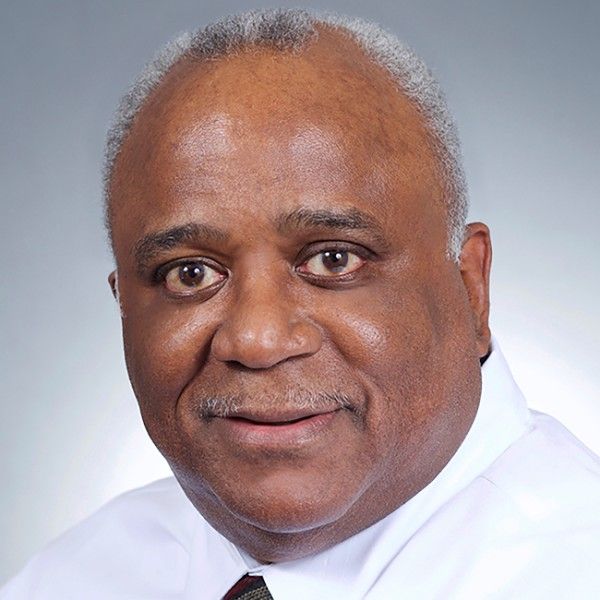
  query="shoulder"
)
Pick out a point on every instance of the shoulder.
point(124, 546)
point(534, 516)
point(526, 527)
point(550, 478)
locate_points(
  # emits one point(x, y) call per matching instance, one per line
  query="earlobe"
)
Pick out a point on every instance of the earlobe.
point(475, 264)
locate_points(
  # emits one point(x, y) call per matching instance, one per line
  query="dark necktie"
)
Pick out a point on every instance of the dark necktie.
point(249, 587)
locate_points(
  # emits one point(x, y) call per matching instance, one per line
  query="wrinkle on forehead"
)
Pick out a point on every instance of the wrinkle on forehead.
point(211, 136)
point(263, 124)
point(305, 154)
point(314, 153)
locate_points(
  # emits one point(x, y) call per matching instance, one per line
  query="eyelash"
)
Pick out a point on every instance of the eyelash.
point(159, 275)
point(321, 247)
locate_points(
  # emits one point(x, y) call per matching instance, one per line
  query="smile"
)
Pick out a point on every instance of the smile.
point(275, 430)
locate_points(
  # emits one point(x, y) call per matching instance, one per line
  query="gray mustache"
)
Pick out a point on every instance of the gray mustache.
point(231, 404)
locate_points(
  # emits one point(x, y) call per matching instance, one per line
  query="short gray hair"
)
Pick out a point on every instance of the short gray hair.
point(291, 30)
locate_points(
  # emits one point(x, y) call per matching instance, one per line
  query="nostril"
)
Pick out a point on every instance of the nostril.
point(238, 367)
point(264, 350)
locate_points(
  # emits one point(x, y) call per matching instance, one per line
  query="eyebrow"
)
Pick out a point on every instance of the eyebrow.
point(153, 244)
point(345, 219)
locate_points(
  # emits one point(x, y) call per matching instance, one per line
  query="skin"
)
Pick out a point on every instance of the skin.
point(246, 149)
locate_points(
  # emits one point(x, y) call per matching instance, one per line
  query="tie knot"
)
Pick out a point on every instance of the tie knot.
point(249, 587)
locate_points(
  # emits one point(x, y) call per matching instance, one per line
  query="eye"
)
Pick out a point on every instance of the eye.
point(187, 278)
point(332, 262)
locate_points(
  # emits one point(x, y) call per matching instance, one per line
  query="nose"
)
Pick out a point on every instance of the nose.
point(264, 327)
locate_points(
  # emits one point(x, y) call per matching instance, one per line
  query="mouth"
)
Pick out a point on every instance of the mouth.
point(277, 418)
point(278, 429)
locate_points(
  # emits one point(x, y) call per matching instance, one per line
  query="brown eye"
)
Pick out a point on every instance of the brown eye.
point(333, 262)
point(187, 278)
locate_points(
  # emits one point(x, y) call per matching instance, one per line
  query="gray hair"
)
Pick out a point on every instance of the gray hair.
point(291, 30)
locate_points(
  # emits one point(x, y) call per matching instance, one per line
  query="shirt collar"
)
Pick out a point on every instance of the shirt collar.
point(350, 568)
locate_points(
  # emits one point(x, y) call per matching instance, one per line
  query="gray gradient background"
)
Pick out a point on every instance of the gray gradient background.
point(523, 80)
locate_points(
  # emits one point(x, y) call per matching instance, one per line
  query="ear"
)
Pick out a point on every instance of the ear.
point(475, 264)
point(112, 281)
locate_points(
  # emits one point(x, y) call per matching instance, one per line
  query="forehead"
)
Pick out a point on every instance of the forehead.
point(264, 132)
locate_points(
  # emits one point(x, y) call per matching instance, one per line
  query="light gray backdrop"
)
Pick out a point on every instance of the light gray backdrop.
point(522, 78)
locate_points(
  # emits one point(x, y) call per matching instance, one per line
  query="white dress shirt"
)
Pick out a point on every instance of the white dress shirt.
point(514, 514)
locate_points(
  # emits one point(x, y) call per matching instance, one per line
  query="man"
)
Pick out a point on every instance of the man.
point(305, 316)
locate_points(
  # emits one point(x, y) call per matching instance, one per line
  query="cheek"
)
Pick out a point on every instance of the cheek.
point(163, 351)
point(398, 342)
point(382, 332)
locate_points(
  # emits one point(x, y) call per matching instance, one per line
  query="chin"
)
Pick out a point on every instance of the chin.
point(282, 505)
point(277, 503)
point(277, 515)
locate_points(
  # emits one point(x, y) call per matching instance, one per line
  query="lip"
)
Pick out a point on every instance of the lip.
point(275, 430)
point(277, 417)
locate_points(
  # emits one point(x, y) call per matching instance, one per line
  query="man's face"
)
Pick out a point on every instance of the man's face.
point(304, 354)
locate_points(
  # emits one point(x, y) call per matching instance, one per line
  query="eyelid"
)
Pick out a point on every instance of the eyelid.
point(364, 254)
point(312, 250)
point(160, 279)
point(160, 273)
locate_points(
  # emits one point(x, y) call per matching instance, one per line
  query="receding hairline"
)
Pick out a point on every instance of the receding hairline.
point(243, 34)
point(201, 85)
